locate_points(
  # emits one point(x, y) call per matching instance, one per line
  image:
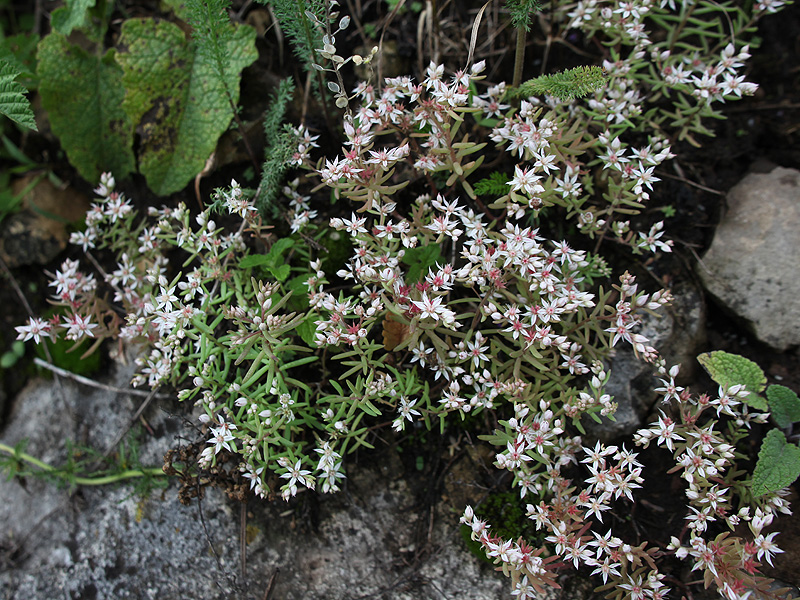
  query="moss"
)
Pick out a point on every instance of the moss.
point(506, 513)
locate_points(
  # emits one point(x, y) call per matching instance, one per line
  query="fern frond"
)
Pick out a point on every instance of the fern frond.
point(275, 166)
point(494, 185)
point(567, 85)
point(13, 102)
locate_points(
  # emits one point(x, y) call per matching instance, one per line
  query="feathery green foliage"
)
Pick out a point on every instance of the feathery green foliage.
point(302, 33)
point(213, 34)
point(521, 11)
point(566, 85)
point(13, 102)
point(496, 184)
point(281, 145)
point(273, 120)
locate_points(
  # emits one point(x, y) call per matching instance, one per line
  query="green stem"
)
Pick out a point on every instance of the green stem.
point(676, 33)
point(103, 480)
point(301, 9)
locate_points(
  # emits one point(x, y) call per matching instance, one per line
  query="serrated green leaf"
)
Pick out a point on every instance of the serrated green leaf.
point(271, 258)
point(71, 16)
point(180, 106)
point(83, 95)
point(731, 369)
point(307, 330)
point(255, 260)
point(566, 85)
point(299, 288)
point(420, 260)
point(784, 405)
point(281, 246)
point(778, 464)
point(280, 273)
point(13, 102)
point(20, 51)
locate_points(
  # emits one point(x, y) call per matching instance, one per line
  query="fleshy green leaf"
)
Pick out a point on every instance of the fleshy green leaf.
point(778, 464)
point(83, 94)
point(13, 102)
point(180, 106)
point(73, 15)
point(731, 369)
point(784, 405)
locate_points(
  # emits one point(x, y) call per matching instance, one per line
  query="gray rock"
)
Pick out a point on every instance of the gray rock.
point(38, 233)
point(678, 333)
point(373, 541)
point(752, 265)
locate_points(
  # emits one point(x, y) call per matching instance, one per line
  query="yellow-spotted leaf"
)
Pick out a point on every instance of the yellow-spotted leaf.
point(176, 98)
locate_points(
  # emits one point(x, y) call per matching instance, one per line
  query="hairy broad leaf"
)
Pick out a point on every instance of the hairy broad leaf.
point(175, 97)
point(20, 52)
point(307, 330)
point(778, 464)
point(83, 94)
point(71, 16)
point(178, 7)
point(783, 404)
point(731, 369)
point(13, 102)
point(273, 261)
point(273, 258)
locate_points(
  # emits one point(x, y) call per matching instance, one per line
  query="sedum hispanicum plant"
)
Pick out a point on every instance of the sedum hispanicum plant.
point(454, 300)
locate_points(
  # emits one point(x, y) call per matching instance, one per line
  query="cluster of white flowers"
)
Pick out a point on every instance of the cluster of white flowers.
point(614, 473)
point(475, 306)
point(704, 457)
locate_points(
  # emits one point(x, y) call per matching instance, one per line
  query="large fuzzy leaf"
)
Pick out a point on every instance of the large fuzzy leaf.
point(176, 98)
point(778, 464)
point(70, 16)
point(83, 95)
point(731, 369)
point(13, 102)
point(784, 405)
